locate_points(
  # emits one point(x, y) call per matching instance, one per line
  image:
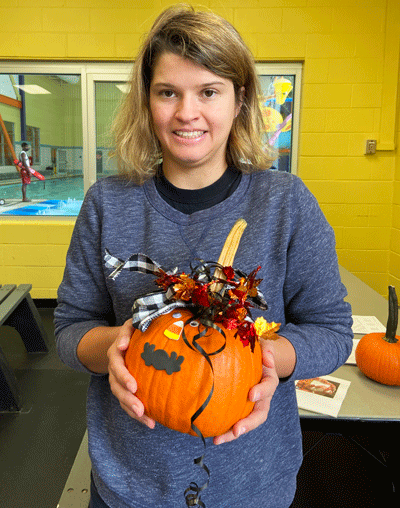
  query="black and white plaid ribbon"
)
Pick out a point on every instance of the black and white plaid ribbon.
point(148, 307)
point(136, 263)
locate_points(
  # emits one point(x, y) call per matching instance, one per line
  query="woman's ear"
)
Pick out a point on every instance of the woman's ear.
point(240, 100)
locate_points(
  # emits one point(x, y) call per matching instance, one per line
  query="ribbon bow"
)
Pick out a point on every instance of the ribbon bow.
point(147, 307)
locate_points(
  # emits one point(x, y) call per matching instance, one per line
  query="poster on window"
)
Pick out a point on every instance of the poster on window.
point(277, 105)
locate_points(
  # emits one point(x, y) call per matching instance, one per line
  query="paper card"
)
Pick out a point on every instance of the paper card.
point(323, 394)
point(367, 324)
point(351, 360)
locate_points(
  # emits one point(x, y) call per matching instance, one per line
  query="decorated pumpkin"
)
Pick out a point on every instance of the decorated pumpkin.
point(378, 354)
point(195, 353)
point(174, 380)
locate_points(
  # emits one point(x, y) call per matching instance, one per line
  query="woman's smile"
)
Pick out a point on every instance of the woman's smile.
point(189, 134)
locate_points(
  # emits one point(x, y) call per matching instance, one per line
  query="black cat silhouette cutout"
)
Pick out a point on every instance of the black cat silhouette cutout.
point(161, 360)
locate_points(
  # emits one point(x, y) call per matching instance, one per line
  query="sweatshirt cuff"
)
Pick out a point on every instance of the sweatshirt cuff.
point(68, 340)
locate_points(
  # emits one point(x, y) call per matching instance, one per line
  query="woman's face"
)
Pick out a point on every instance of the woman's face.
point(192, 111)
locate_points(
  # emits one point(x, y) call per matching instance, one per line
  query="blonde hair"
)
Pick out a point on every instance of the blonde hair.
point(212, 42)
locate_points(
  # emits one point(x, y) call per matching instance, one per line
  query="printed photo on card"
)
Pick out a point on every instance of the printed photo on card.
point(323, 394)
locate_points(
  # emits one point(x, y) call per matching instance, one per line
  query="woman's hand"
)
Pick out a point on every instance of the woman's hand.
point(261, 394)
point(123, 384)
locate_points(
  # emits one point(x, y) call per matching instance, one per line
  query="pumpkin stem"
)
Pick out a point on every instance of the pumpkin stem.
point(393, 317)
point(228, 251)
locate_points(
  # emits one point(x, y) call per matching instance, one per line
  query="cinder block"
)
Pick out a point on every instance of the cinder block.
point(91, 46)
point(69, 20)
point(44, 45)
point(324, 144)
point(365, 95)
point(262, 21)
point(326, 95)
point(350, 120)
point(307, 20)
point(278, 47)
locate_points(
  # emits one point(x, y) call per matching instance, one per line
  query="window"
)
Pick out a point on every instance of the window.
point(44, 104)
point(280, 108)
point(64, 111)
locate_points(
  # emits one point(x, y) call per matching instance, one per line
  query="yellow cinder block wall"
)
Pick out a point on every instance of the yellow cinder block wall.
point(350, 51)
point(394, 257)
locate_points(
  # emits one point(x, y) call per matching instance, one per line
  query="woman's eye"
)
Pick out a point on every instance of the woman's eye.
point(209, 93)
point(167, 93)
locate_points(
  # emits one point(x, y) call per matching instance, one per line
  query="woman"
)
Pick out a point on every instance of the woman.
point(188, 141)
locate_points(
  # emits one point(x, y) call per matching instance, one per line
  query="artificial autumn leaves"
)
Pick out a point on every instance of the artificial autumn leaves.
point(229, 307)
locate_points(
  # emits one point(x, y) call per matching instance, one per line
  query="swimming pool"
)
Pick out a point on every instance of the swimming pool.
point(54, 188)
point(55, 196)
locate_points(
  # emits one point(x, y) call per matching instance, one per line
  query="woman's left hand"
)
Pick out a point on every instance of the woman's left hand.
point(261, 394)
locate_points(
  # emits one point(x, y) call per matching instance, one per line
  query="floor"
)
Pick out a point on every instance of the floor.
point(339, 472)
point(38, 445)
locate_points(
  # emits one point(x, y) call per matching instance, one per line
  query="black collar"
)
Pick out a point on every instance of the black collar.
point(189, 201)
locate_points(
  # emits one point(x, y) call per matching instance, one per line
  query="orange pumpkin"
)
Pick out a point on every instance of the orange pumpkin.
point(173, 398)
point(378, 354)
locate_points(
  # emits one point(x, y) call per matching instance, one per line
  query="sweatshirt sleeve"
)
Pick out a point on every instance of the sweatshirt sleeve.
point(83, 299)
point(318, 320)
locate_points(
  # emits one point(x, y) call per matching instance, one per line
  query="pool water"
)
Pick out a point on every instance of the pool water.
point(56, 188)
point(56, 196)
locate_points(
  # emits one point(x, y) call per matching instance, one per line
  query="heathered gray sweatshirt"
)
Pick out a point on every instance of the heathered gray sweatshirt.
point(289, 237)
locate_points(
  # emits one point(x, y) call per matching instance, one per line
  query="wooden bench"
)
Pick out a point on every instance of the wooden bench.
point(76, 492)
point(18, 310)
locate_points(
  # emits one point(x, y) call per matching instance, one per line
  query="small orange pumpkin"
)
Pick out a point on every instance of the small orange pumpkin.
point(378, 354)
point(173, 398)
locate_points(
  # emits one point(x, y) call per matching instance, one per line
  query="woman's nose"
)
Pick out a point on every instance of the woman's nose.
point(187, 109)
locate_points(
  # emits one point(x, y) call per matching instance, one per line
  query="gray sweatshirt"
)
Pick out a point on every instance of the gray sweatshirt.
point(289, 237)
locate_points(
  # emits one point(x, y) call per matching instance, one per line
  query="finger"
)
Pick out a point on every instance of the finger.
point(264, 390)
point(266, 387)
point(262, 395)
point(144, 419)
point(122, 342)
point(268, 359)
point(224, 438)
point(116, 364)
point(256, 418)
point(130, 403)
point(125, 336)
point(121, 374)
point(121, 377)
point(135, 409)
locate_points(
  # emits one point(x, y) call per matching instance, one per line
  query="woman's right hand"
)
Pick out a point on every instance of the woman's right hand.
point(123, 384)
